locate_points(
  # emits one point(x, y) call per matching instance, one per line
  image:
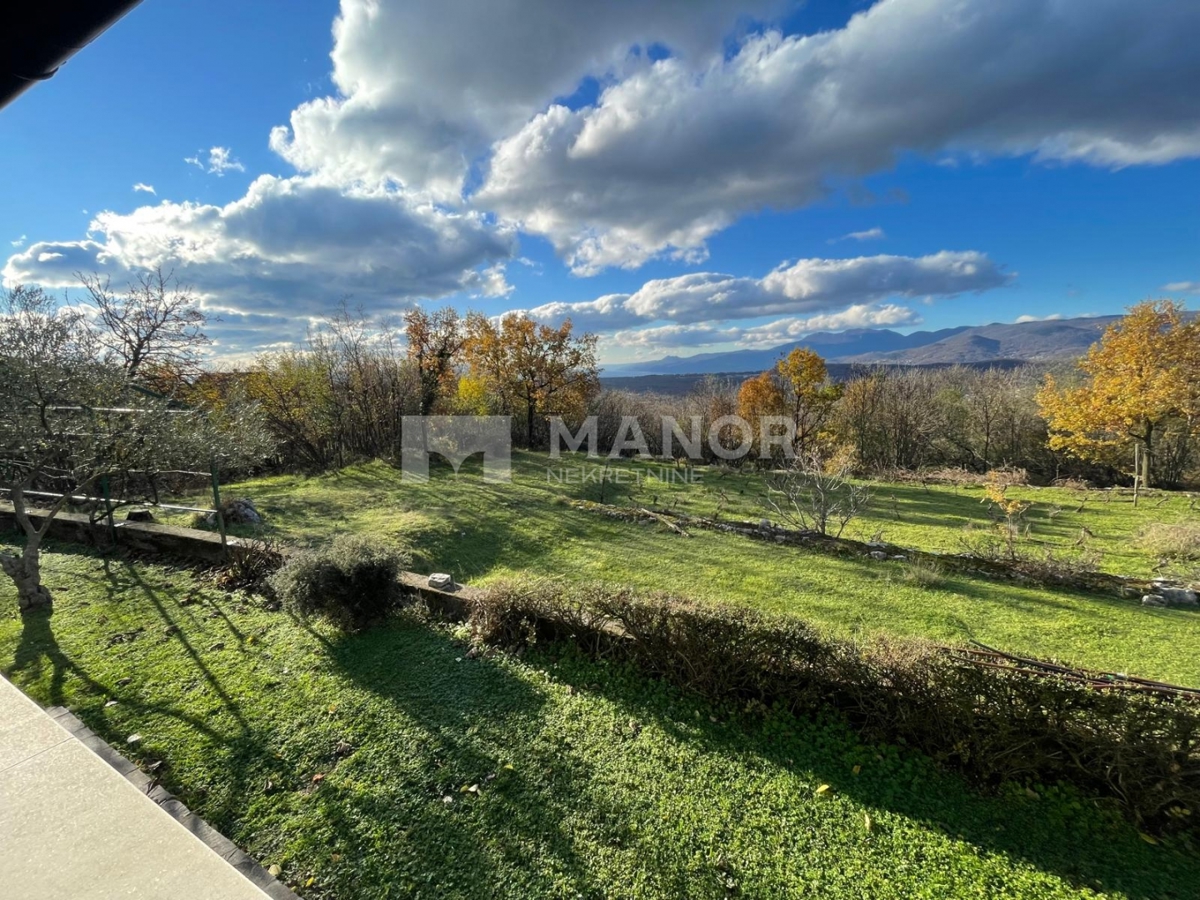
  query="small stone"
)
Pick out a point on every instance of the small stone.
point(441, 581)
point(878, 554)
point(274, 870)
point(219, 645)
point(110, 704)
point(1153, 600)
point(134, 739)
point(122, 682)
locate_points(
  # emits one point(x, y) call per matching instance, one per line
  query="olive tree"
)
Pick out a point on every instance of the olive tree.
point(69, 416)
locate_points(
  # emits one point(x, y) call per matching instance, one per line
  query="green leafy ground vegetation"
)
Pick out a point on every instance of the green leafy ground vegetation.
point(395, 763)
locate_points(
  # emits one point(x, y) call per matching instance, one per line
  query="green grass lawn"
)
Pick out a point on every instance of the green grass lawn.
point(349, 761)
point(479, 532)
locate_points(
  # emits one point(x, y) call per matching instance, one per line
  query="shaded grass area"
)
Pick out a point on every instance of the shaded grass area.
point(334, 757)
point(479, 532)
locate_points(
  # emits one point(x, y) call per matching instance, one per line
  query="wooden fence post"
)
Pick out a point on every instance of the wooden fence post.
point(216, 490)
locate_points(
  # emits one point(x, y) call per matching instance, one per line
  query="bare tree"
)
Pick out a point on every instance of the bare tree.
point(812, 493)
point(68, 418)
point(157, 323)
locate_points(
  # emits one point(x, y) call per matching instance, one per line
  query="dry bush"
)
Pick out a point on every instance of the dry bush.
point(1178, 541)
point(956, 476)
point(1009, 545)
point(251, 565)
point(923, 574)
point(1073, 484)
point(993, 722)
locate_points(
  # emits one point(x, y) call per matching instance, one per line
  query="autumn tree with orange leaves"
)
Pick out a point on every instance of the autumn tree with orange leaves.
point(1139, 389)
point(758, 398)
point(809, 394)
point(435, 341)
point(532, 370)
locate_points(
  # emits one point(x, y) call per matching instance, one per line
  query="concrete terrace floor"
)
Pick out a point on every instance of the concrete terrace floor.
point(72, 827)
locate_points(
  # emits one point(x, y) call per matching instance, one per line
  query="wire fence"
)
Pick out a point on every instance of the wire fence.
point(110, 505)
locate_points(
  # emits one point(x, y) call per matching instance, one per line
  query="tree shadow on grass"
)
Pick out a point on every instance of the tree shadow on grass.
point(1065, 837)
point(243, 748)
point(474, 724)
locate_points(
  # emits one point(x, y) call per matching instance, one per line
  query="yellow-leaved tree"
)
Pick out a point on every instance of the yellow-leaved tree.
point(1139, 388)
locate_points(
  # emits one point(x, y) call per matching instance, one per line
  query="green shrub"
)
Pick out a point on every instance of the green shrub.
point(995, 720)
point(351, 581)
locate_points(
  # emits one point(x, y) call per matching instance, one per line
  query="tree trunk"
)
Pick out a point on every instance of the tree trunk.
point(26, 573)
point(1148, 455)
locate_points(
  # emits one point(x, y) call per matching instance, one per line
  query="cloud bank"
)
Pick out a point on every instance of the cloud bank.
point(626, 132)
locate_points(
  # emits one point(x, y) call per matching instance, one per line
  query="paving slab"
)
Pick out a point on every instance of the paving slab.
point(72, 827)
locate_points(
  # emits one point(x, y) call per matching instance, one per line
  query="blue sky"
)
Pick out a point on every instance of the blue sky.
point(694, 167)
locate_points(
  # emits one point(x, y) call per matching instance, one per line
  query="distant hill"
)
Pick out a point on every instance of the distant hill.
point(1027, 341)
point(681, 385)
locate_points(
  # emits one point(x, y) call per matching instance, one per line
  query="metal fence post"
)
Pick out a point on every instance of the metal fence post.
point(108, 512)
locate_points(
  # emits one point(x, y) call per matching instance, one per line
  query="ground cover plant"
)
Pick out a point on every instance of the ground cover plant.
point(395, 762)
point(482, 532)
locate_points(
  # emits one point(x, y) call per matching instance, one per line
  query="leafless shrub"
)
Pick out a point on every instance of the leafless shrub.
point(1073, 484)
point(1011, 546)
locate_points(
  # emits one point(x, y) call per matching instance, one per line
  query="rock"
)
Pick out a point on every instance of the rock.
point(139, 515)
point(441, 581)
point(1153, 600)
point(237, 512)
point(765, 524)
point(1177, 596)
point(878, 554)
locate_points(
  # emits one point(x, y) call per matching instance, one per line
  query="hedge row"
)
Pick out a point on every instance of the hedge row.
point(993, 723)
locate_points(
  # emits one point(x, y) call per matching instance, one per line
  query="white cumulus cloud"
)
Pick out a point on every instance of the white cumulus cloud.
point(289, 247)
point(1182, 287)
point(703, 308)
point(680, 149)
point(219, 161)
point(144, 188)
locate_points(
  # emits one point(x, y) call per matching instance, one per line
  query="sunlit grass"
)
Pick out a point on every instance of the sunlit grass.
point(479, 532)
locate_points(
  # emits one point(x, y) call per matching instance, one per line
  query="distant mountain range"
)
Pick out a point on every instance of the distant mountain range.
point(1023, 342)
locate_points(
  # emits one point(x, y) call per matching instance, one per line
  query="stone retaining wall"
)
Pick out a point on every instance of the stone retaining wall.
point(146, 537)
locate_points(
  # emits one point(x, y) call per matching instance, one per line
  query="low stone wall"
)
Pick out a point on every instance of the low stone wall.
point(145, 537)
